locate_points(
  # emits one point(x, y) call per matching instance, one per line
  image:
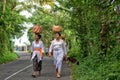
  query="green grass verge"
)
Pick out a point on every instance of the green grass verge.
point(97, 68)
point(8, 57)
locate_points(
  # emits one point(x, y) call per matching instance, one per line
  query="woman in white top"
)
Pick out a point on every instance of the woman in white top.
point(58, 48)
point(36, 56)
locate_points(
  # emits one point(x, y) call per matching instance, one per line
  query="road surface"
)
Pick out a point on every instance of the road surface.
point(21, 69)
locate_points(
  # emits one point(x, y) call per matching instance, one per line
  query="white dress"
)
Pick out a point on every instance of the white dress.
point(59, 50)
point(38, 45)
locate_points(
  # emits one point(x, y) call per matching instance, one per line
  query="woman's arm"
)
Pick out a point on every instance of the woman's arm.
point(32, 49)
point(51, 49)
point(42, 46)
point(64, 48)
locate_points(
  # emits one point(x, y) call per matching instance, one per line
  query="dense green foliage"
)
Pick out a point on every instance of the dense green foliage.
point(92, 29)
point(97, 68)
point(8, 57)
point(97, 26)
point(10, 25)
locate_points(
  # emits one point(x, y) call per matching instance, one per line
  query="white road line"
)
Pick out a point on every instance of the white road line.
point(17, 72)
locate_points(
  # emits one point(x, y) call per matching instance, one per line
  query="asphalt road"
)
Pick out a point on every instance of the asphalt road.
point(21, 69)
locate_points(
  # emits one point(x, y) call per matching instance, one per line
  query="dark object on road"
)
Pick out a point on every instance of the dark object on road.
point(73, 60)
point(34, 76)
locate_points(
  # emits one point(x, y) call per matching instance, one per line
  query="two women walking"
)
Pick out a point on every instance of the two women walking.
point(57, 47)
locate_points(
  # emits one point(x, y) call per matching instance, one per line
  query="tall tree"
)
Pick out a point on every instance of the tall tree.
point(10, 25)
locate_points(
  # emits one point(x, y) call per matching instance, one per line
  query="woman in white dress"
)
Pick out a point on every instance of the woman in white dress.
point(36, 56)
point(59, 51)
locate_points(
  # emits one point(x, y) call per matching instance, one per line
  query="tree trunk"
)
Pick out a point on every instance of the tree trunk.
point(4, 6)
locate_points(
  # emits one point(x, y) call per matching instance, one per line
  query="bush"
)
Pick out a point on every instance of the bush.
point(8, 57)
point(95, 67)
point(74, 51)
